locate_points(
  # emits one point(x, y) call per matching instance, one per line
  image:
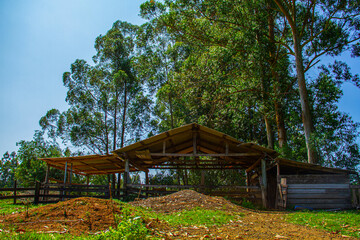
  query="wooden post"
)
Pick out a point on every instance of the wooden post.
point(15, 183)
point(118, 185)
point(263, 183)
point(247, 181)
point(71, 173)
point(87, 183)
point(126, 177)
point(37, 193)
point(194, 143)
point(164, 147)
point(47, 174)
point(147, 183)
point(202, 181)
point(113, 185)
point(63, 192)
point(65, 173)
point(277, 184)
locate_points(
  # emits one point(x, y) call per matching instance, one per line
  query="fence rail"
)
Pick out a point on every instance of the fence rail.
point(54, 192)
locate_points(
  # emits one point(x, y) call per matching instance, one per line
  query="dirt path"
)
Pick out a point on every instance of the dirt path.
point(91, 215)
point(253, 225)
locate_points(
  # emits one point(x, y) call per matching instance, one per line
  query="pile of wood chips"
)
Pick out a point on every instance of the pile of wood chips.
point(186, 199)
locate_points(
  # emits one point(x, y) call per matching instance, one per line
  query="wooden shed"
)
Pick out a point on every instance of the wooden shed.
point(279, 182)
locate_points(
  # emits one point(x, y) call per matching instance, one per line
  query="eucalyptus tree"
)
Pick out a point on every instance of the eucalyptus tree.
point(316, 28)
point(238, 34)
point(108, 103)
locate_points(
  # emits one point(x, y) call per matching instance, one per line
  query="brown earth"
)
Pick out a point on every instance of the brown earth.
point(76, 216)
point(253, 224)
point(91, 215)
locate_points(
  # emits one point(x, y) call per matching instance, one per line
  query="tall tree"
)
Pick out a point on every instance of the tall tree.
point(108, 104)
point(317, 28)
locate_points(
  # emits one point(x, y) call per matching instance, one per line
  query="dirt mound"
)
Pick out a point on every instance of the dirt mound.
point(186, 199)
point(77, 216)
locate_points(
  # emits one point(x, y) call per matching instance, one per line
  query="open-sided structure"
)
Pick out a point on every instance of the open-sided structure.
point(197, 147)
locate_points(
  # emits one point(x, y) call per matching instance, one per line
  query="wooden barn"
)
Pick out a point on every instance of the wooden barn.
point(275, 182)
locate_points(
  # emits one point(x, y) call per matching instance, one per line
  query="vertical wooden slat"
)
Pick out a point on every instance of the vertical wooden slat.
point(71, 173)
point(126, 177)
point(15, 183)
point(147, 183)
point(118, 185)
point(263, 183)
point(37, 192)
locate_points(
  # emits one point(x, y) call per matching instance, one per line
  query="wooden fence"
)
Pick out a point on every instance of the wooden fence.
point(54, 192)
point(237, 193)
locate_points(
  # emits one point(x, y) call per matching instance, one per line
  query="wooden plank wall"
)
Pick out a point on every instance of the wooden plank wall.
point(328, 191)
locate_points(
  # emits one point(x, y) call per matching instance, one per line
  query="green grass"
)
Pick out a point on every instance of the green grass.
point(342, 222)
point(7, 207)
point(131, 222)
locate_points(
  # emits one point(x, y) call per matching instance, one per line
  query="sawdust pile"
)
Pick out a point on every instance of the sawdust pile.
point(186, 199)
point(77, 216)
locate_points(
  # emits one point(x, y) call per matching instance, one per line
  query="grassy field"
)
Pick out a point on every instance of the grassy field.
point(343, 222)
point(131, 225)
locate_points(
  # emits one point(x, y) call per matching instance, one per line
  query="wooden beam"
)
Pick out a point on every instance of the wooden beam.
point(254, 165)
point(205, 155)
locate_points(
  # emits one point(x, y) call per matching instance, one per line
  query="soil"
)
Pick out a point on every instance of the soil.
point(77, 216)
point(91, 215)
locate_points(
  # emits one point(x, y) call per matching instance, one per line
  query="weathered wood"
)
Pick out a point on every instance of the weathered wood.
point(65, 172)
point(17, 189)
point(313, 186)
point(71, 173)
point(191, 186)
point(317, 179)
point(15, 183)
point(37, 193)
point(17, 196)
point(318, 190)
point(264, 182)
point(47, 173)
point(318, 196)
point(319, 201)
point(252, 167)
point(204, 155)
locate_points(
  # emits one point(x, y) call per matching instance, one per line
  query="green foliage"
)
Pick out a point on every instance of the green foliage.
point(344, 222)
point(129, 228)
point(8, 165)
point(30, 168)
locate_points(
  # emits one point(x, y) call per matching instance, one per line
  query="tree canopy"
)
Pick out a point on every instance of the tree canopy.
point(250, 69)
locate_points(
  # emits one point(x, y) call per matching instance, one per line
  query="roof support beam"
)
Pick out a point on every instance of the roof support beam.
point(205, 155)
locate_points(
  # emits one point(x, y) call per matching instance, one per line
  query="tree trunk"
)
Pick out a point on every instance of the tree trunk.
point(279, 114)
point(124, 116)
point(115, 121)
point(269, 133)
point(305, 105)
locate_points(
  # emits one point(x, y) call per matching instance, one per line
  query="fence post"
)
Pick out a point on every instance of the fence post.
point(15, 191)
point(37, 192)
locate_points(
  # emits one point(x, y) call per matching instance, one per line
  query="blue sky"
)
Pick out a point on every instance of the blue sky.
point(41, 38)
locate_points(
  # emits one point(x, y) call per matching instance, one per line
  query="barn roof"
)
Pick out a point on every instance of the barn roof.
point(89, 165)
point(185, 147)
point(192, 146)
